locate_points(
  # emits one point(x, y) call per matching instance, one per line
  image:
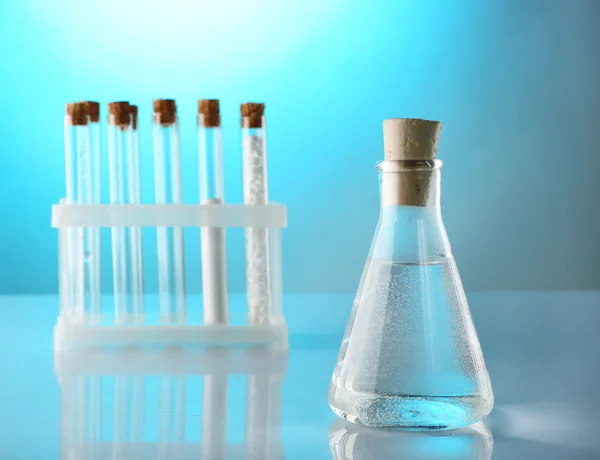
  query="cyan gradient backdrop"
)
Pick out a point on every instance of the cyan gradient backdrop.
point(515, 83)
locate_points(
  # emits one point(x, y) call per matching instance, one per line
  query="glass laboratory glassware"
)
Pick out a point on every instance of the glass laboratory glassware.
point(126, 276)
point(93, 110)
point(211, 185)
point(256, 192)
point(410, 357)
point(136, 198)
point(83, 290)
point(167, 190)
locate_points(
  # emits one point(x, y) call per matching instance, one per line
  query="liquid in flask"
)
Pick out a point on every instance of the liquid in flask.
point(411, 357)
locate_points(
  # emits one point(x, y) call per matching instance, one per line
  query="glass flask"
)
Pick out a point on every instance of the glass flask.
point(410, 356)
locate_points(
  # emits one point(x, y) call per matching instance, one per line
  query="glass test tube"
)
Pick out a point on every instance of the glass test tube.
point(138, 265)
point(167, 190)
point(210, 179)
point(83, 290)
point(127, 288)
point(254, 151)
point(93, 110)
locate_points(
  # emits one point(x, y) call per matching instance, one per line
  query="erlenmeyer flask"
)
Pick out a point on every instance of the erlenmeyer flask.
point(411, 357)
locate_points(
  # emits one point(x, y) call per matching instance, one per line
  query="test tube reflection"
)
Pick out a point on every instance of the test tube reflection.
point(129, 411)
point(214, 409)
point(171, 426)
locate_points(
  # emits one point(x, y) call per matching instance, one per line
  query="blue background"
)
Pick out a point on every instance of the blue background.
point(515, 83)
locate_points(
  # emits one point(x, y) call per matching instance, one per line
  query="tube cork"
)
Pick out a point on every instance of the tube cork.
point(77, 113)
point(209, 115)
point(410, 138)
point(133, 109)
point(119, 114)
point(252, 114)
point(93, 110)
point(165, 111)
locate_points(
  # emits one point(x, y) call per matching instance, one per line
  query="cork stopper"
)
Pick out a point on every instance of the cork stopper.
point(252, 114)
point(133, 110)
point(165, 111)
point(92, 109)
point(77, 113)
point(119, 114)
point(411, 139)
point(208, 113)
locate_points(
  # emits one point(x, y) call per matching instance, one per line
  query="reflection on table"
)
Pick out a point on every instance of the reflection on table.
point(175, 403)
point(355, 442)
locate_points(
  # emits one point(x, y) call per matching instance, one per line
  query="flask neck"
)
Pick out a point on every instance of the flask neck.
point(410, 183)
point(410, 226)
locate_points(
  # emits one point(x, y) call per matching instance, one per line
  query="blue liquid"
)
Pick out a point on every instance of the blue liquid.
point(411, 357)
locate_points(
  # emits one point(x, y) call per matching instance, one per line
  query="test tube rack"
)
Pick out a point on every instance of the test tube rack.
point(75, 329)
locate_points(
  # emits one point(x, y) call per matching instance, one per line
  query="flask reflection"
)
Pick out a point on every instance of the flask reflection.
point(350, 441)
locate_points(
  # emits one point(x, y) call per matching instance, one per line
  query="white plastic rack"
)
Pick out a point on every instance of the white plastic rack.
point(74, 328)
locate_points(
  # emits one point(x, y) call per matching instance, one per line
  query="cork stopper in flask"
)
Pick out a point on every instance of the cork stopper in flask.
point(410, 138)
point(410, 172)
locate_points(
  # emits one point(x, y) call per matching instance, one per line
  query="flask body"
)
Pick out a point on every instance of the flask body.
point(411, 357)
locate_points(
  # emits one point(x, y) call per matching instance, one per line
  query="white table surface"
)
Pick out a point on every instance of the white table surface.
point(541, 350)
